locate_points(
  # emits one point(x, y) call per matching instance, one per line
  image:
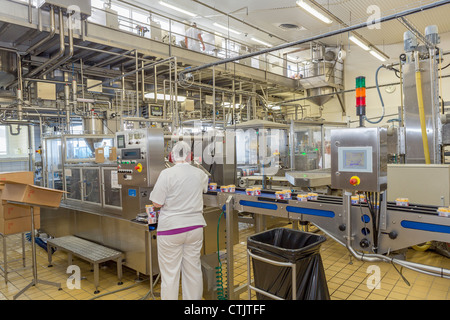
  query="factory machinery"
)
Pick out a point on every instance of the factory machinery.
point(371, 228)
point(107, 119)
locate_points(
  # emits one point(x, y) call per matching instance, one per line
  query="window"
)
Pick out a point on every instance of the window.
point(124, 17)
point(3, 138)
point(97, 4)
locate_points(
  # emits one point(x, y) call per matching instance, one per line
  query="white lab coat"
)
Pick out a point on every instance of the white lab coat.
point(193, 42)
point(180, 192)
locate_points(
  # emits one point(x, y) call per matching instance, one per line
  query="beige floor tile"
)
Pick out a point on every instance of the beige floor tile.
point(361, 294)
point(340, 295)
point(345, 280)
point(375, 296)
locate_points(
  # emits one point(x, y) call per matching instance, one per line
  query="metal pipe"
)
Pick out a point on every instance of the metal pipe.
point(143, 82)
point(112, 59)
point(124, 75)
point(214, 97)
point(137, 80)
point(319, 37)
point(430, 270)
point(19, 89)
point(175, 64)
point(49, 36)
point(74, 94)
point(155, 86)
point(229, 205)
point(67, 104)
point(62, 48)
point(30, 148)
point(69, 55)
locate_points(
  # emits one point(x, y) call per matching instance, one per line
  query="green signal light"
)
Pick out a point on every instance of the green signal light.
point(360, 82)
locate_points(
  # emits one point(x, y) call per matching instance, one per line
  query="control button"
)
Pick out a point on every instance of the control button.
point(364, 243)
point(138, 168)
point(354, 181)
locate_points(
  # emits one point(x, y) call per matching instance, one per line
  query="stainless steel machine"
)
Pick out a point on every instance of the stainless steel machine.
point(360, 159)
point(360, 166)
point(371, 228)
point(140, 159)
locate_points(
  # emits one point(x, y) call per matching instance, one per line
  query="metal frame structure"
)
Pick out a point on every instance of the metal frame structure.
point(275, 263)
point(400, 227)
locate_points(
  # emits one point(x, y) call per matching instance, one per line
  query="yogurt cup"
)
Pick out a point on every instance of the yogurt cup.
point(212, 186)
point(280, 195)
point(312, 196)
point(287, 194)
point(402, 202)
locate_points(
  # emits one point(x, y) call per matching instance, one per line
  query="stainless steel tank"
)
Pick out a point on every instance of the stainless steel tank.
point(93, 124)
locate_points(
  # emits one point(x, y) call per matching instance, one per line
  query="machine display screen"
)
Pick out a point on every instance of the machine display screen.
point(131, 154)
point(121, 141)
point(355, 159)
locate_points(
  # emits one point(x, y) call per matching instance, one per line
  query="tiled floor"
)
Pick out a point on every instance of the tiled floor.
point(346, 280)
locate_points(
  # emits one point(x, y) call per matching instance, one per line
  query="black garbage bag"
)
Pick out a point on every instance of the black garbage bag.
point(288, 245)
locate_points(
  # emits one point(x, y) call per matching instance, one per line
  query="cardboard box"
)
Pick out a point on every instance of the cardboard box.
point(99, 155)
point(26, 177)
point(19, 225)
point(30, 194)
point(10, 211)
point(112, 154)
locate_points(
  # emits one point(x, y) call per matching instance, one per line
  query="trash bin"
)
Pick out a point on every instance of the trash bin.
point(298, 251)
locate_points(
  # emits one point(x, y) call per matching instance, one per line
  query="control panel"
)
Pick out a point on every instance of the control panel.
point(140, 156)
point(140, 159)
point(359, 159)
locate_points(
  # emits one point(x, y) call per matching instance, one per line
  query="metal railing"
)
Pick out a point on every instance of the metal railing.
point(171, 31)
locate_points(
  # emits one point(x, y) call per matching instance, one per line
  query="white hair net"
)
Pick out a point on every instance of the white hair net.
point(180, 151)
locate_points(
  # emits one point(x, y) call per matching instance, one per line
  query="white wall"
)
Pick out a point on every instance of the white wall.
point(362, 63)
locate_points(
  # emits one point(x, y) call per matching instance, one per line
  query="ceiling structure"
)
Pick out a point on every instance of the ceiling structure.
point(258, 18)
point(262, 19)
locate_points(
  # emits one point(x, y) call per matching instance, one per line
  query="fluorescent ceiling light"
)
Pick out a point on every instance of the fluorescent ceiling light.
point(358, 42)
point(177, 9)
point(161, 96)
point(226, 28)
point(377, 55)
point(262, 42)
point(302, 4)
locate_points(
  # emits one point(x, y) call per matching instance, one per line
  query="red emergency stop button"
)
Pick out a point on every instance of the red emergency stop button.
point(138, 168)
point(354, 181)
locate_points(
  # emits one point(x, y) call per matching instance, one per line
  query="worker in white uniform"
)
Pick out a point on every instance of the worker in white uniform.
point(194, 38)
point(179, 193)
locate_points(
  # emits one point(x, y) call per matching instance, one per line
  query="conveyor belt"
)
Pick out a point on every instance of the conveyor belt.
point(269, 196)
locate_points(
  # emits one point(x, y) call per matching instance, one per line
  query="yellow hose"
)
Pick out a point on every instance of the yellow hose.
point(422, 247)
point(423, 125)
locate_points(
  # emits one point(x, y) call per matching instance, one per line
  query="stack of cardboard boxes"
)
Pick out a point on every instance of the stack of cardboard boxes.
point(19, 187)
point(15, 218)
